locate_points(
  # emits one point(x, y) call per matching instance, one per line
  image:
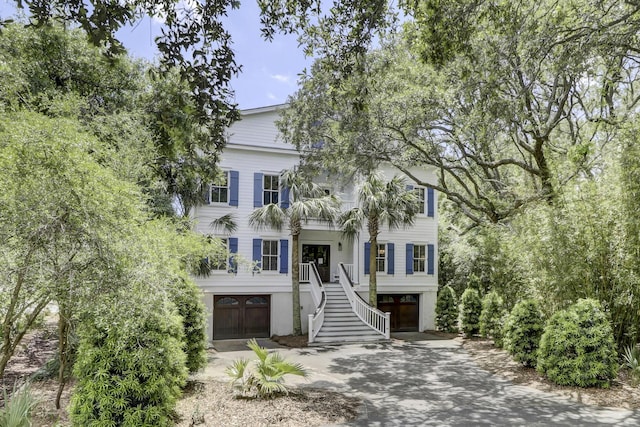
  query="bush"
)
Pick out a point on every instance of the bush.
point(577, 347)
point(17, 408)
point(130, 366)
point(492, 317)
point(522, 331)
point(188, 300)
point(470, 308)
point(267, 377)
point(447, 310)
point(632, 363)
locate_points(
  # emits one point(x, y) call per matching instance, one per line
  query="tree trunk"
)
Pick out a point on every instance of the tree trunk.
point(373, 279)
point(63, 349)
point(295, 283)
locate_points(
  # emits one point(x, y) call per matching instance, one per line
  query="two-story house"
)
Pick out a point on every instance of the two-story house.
point(251, 296)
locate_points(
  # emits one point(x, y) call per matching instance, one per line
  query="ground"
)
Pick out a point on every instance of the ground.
point(209, 402)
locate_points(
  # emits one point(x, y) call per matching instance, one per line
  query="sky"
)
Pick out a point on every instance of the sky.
point(269, 69)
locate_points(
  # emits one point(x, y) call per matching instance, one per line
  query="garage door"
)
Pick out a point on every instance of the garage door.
point(403, 309)
point(241, 316)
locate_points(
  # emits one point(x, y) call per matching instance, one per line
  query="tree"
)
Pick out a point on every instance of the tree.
point(380, 203)
point(307, 201)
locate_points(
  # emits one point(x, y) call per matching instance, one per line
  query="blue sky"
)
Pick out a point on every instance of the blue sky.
point(269, 70)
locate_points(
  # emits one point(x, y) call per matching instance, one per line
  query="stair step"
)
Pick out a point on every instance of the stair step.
point(329, 330)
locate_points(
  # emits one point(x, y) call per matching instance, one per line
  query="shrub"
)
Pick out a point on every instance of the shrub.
point(188, 300)
point(447, 310)
point(470, 308)
point(130, 366)
point(577, 347)
point(492, 317)
point(522, 331)
point(267, 377)
point(17, 408)
point(632, 362)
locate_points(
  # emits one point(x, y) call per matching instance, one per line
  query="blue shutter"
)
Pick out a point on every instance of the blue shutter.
point(391, 258)
point(284, 200)
point(233, 249)
point(284, 256)
point(409, 258)
point(430, 201)
point(234, 178)
point(367, 252)
point(430, 259)
point(257, 190)
point(257, 251)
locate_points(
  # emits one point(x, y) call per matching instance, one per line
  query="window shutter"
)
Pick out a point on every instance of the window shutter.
point(233, 249)
point(257, 190)
point(284, 200)
point(430, 202)
point(409, 258)
point(367, 253)
point(257, 251)
point(234, 181)
point(207, 194)
point(284, 256)
point(391, 258)
point(430, 259)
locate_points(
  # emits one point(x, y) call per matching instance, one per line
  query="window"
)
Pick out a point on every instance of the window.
point(381, 257)
point(419, 258)
point(420, 196)
point(220, 189)
point(270, 189)
point(221, 262)
point(270, 255)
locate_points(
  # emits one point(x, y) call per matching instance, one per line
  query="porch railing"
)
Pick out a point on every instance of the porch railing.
point(320, 300)
point(373, 317)
point(349, 268)
point(305, 270)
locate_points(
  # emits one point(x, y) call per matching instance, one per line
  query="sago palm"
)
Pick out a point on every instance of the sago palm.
point(307, 202)
point(380, 203)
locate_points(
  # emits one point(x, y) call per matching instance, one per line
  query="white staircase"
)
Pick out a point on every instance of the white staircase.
point(341, 324)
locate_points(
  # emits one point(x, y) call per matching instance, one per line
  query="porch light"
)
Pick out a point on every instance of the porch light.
point(339, 246)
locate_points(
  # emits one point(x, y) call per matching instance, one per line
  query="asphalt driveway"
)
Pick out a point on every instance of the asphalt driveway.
point(431, 382)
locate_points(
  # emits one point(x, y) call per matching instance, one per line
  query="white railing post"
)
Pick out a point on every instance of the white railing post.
point(320, 299)
point(387, 329)
point(303, 275)
point(310, 332)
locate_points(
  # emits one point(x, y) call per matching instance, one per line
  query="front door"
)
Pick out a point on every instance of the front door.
point(319, 255)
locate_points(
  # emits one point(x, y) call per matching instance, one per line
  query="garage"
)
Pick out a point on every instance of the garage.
point(241, 316)
point(404, 311)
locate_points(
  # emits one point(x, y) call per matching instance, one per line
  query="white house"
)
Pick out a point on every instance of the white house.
point(245, 301)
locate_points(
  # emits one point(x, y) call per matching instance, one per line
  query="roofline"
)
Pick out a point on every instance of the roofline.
point(265, 109)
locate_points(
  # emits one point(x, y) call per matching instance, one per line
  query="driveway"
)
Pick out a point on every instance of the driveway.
point(431, 382)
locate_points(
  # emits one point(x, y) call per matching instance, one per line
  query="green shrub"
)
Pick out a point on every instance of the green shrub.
point(522, 331)
point(188, 300)
point(632, 362)
point(267, 377)
point(470, 308)
point(17, 408)
point(577, 347)
point(130, 366)
point(447, 310)
point(492, 317)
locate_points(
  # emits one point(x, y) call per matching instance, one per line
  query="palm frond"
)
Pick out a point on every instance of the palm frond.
point(225, 224)
point(270, 216)
point(351, 222)
point(261, 352)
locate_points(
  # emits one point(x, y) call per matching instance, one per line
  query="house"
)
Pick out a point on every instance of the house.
point(251, 295)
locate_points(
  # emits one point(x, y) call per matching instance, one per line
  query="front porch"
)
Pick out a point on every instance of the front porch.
point(305, 273)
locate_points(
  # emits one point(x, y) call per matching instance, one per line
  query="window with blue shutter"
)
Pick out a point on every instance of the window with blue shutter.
point(257, 190)
point(430, 259)
point(430, 202)
point(234, 183)
point(409, 258)
point(233, 250)
point(284, 256)
point(257, 252)
point(367, 253)
point(284, 200)
point(391, 258)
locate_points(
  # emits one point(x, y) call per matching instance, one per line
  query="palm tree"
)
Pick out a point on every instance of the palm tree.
point(307, 202)
point(380, 203)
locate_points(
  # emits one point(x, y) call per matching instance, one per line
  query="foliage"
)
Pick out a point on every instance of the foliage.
point(522, 331)
point(470, 308)
point(188, 300)
point(492, 317)
point(17, 407)
point(380, 203)
point(631, 357)
point(266, 379)
point(577, 347)
point(130, 368)
point(447, 310)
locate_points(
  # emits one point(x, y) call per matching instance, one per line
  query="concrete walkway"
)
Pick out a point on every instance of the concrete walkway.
point(429, 382)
